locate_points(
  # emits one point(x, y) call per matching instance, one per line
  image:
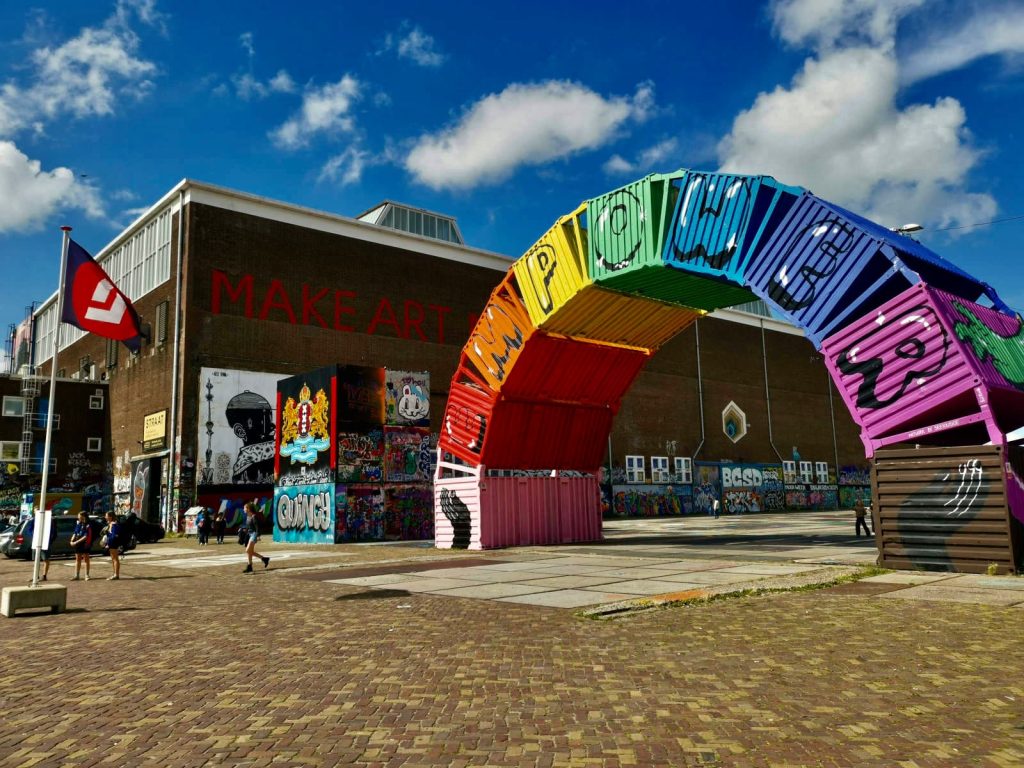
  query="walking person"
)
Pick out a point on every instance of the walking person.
point(203, 527)
point(862, 517)
point(219, 525)
point(48, 552)
point(81, 543)
point(253, 527)
point(113, 543)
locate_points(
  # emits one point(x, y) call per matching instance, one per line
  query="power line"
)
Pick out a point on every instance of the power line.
point(979, 224)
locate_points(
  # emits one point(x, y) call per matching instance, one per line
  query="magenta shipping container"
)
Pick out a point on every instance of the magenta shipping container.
point(927, 362)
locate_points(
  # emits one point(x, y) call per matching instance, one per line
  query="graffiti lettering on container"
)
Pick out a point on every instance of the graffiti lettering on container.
point(403, 452)
point(496, 340)
point(619, 230)
point(304, 511)
point(831, 237)
point(306, 476)
point(1006, 352)
point(710, 220)
point(364, 514)
point(914, 337)
point(741, 477)
point(541, 264)
point(737, 501)
point(458, 514)
point(461, 417)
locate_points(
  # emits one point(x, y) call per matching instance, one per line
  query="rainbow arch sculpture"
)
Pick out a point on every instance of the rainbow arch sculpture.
point(565, 333)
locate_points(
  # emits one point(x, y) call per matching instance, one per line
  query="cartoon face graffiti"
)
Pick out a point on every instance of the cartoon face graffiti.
point(826, 241)
point(710, 219)
point(916, 348)
point(619, 230)
point(139, 486)
point(414, 403)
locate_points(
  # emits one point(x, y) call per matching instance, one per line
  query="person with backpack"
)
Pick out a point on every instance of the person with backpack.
point(81, 543)
point(113, 543)
point(252, 527)
point(203, 527)
point(220, 524)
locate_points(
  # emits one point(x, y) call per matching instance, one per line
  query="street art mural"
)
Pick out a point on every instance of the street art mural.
point(361, 456)
point(231, 502)
point(305, 435)
point(407, 398)
point(144, 499)
point(912, 352)
point(236, 422)
point(364, 513)
point(409, 512)
point(651, 500)
point(407, 453)
point(304, 514)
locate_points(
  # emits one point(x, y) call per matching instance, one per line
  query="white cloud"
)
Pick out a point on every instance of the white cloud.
point(648, 159)
point(414, 44)
point(993, 32)
point(325, 110)
point(346, 168)
point(32, 195)
point(837, 130)
point(825, 23)
point(248, 87)
point(85, 76)
point(523, 125)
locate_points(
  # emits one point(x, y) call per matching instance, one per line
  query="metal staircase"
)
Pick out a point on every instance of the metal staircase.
point(30, 386)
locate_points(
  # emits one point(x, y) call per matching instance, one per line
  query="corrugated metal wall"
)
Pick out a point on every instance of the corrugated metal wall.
point(943, 509)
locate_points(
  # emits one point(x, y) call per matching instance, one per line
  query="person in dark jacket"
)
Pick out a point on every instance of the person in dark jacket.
point(114, 534)
point(81, 542)
point(219, 526)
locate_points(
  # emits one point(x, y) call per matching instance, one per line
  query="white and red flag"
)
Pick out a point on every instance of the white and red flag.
point(93, 303)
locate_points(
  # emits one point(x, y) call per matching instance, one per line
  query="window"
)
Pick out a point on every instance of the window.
point(95, 402)
point(821, 470)
point(659, 469)
point(112, 353)
point(10, 451)
point(789, 471)
point(94, 444)
point(635, 469)
point(684, 469)
point(14, 406)
point(806, 475)
point(161, 322)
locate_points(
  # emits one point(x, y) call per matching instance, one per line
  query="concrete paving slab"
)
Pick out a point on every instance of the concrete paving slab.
point(572, 570)
point(527, 565)
point(981, 581)
point(452, 573)
point(718, 577)
point(690, 565)
point(903, 577)
point(566, 582)
point(770, 569)
point(634, 573)
point(643, 587)
point(1005, 597)
point(427, 585)
point(493, 577)
point(491, 591)
point(371, 581)
point(566, 598)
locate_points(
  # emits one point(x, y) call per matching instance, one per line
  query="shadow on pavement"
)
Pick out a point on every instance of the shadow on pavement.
point(375, 594)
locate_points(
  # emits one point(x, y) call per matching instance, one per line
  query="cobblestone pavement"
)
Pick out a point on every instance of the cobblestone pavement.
point(193, 667)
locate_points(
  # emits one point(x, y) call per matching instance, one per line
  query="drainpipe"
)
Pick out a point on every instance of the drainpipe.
point(767, 393)
point(700, 389)
point(175, 351)
point(832, 413)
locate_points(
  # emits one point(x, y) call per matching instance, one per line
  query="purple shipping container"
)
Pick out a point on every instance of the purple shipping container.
point(825, 266)
point(926, 362)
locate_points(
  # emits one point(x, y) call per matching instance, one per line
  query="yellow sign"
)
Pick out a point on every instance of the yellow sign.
point(154, 431)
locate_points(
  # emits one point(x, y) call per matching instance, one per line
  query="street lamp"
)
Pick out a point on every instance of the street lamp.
point(907, 229)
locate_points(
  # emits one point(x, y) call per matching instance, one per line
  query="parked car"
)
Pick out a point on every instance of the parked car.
point(144, 533)
point(20, 544)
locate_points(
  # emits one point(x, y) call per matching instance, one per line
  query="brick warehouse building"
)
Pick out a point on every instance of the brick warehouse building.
point(270, 289)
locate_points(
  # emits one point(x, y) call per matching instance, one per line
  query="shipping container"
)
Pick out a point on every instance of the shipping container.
point(500, 335)
point(925, 363)
point(947, 509)
point(560, 296)
point(825, 266)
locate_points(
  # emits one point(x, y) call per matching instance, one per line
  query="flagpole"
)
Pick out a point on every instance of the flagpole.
point(40, 528)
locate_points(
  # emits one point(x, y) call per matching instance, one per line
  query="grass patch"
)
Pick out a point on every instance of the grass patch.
point(650, 604)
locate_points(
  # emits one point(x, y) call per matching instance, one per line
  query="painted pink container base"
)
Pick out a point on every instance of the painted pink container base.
point(457, 513)
point(527, 511)
point(902, 366)
point(1014, 491)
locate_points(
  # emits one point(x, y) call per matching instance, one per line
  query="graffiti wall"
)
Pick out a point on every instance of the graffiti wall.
point(752, 488)
point(305, 431)
point(360, 395)
point(361, 456)
point(409, 512)
point(651, 500)
point(304, 514)
point(364, 512)
point(408, 453)
point(812, 496)
point(231, 501)
point(707, 487)
point(236, 425)
point(848, 495)
point(144, 499)
point(407, 398)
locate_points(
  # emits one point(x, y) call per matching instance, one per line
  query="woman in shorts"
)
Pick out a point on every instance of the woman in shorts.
point(252, 525)
point(113, 545)
point(81, 543)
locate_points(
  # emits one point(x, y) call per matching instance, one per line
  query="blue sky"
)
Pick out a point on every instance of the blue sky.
point(507, 116)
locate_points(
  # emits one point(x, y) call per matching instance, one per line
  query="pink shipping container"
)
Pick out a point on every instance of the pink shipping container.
point(927, 362)
point(479, 512)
